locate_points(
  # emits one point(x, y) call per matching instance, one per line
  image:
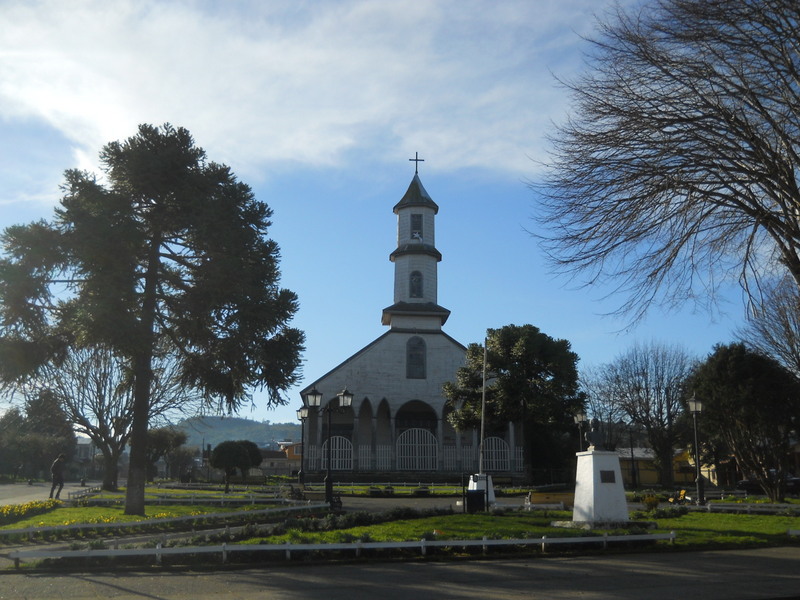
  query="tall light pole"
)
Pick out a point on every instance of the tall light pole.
point(633, 459)
point(314, 399)
point(302, 415)
point(483, 410)
point(696, 407)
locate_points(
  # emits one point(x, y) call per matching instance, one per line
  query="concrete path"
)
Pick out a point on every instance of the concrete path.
point(734, 575)
point(21, 492)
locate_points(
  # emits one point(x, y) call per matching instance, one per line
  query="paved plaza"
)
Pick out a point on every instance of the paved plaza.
point(21, 492)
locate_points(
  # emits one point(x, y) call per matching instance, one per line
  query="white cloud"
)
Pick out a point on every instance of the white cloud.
point(298, 82)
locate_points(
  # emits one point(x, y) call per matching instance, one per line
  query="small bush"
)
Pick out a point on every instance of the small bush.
point(296, 537)
point(669, 512)
point(651, 502)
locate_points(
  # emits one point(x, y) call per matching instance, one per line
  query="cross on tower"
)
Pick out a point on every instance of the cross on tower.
point(416, 160)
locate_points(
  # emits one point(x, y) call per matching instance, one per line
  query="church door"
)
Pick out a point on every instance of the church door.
point(417, 450)
point(496, 454)
point(341, 454)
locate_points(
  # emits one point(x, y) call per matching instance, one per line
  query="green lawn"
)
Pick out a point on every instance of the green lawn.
point(695, 530)
point(152, 493)
point(113, 514)
point(698, 529)
point(454, 526)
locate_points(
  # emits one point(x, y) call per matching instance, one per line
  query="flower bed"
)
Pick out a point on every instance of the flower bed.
point(11, 513)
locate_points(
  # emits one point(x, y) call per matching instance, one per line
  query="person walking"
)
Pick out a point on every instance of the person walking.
point(57, 470)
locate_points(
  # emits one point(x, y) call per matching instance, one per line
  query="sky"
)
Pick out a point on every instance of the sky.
point(318, 106)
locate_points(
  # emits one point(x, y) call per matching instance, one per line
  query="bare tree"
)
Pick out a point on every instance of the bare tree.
point(168, 246)
point(601, 406)
point(647, 384)
point(94, 387)
point(773, 327)
point(678, 170)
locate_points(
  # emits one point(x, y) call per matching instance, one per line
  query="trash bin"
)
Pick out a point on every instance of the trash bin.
point(476, 500)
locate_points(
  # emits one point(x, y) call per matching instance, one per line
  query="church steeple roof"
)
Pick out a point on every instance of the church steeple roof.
point(416, 195)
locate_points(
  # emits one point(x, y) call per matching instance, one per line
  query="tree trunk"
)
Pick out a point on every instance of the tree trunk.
point(137, 471)
point(143, 374)
point(110, 470)
point(664, 465)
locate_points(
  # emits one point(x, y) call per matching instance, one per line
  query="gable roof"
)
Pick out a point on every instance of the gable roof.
point(369, 346)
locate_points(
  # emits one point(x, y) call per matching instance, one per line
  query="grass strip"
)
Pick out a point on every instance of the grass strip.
point(694, 530)
point(59, 517)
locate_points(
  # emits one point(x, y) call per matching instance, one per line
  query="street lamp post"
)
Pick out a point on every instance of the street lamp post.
point(696, 407)
point(302, 415)
point(580, 419)
point(314, 399)
point(633, 459)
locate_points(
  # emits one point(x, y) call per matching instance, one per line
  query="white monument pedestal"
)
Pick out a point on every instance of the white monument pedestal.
point(483, 482)
point(599, 494)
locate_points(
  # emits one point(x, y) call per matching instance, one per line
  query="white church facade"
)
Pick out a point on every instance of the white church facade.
point(397, 422)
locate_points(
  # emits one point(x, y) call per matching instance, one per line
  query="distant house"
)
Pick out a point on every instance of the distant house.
point(84, 450)
point(294, 454)
point(274, 462)
point(84, 457)
point(638, 468)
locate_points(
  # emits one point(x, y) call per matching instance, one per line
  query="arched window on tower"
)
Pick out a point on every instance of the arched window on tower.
point(415, 285)
point(415, 358)
point(416, 228)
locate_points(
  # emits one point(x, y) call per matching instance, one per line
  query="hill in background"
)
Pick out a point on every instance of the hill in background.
point(213, 430)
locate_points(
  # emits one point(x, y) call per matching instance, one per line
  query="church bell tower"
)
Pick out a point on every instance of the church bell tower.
point(415, 261)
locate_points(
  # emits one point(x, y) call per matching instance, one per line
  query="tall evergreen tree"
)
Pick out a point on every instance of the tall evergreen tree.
point(532, 379)
point(168, 245)
point(752, 403)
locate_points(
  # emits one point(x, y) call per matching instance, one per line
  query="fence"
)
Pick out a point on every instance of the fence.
point(89, 491)
point(414, 450)
point(356, 547)
point(750, 508)
point(166, 499)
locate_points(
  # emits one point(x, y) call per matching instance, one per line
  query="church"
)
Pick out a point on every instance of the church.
point(396, 422)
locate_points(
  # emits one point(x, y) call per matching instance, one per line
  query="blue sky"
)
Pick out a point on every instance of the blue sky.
point(318, 105)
